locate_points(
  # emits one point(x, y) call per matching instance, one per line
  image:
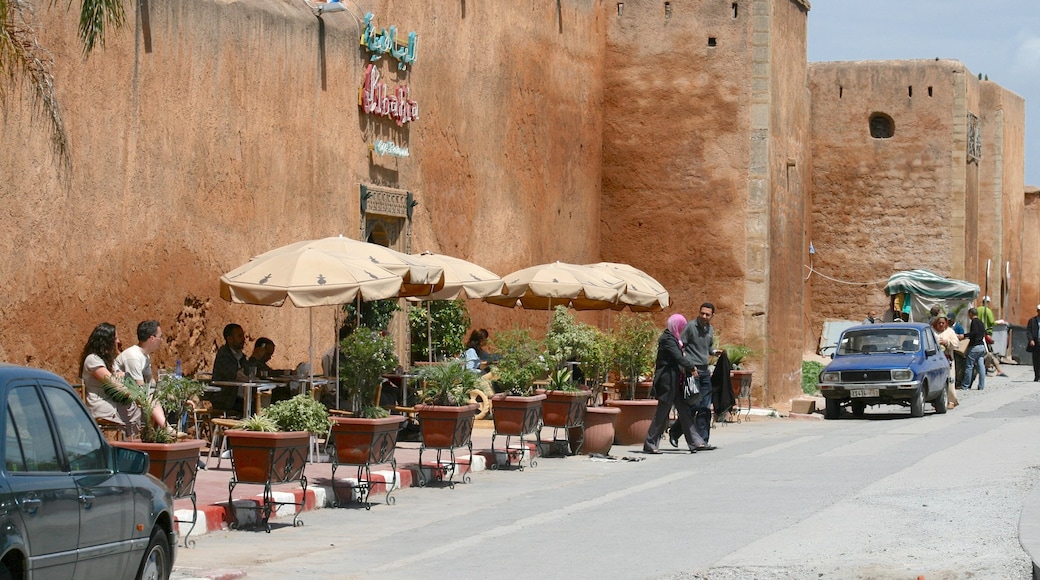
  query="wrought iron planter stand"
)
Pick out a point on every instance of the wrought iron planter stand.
point(516, 417)
point(364, 443)
point(566, 410)
point(445, 428)
point(268, 459)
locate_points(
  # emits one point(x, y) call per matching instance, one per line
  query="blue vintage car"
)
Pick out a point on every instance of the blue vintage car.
point(71, 505)
point(885, 364)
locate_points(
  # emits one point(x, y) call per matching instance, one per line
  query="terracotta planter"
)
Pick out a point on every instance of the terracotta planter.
point(516, 416)
point(642, 391)
point(563, 409)
point(363, 443)
point(741, 380)
point(176, 465)
point(599, 429)
point(445, 428)
point(267, 459)
point(634, 420)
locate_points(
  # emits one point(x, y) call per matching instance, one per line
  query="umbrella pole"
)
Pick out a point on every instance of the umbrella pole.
point(429, 331)
point(335, 342)
point(310, 340)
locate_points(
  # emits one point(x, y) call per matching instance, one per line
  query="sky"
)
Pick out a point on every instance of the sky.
point(998, 38)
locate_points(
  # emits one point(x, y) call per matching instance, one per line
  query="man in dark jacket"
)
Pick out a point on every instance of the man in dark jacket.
point(698, 338)
point(1033, 336)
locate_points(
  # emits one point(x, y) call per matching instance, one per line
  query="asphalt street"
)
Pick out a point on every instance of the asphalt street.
point(883, 496)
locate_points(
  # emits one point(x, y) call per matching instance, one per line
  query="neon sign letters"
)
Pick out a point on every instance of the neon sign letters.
point(373, 98)
point(389, 148)
point(385, 42)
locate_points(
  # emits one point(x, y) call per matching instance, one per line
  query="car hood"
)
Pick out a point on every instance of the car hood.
point(870, 361)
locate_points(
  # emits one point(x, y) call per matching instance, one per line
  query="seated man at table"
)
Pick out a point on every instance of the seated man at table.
point(263, 350)
point(228, 366)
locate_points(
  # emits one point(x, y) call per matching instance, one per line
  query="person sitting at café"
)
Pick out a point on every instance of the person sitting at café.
point(228, 366)
point(474, 349)
point(263, 350)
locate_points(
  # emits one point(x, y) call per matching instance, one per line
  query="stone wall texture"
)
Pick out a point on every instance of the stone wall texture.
point(223, 129)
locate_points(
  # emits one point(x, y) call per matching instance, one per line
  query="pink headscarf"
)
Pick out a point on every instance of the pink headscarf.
point(676, 324)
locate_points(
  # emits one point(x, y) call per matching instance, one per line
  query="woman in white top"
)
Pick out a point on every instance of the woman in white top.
point(105, 397)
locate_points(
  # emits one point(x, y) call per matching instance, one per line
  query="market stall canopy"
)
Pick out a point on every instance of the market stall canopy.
point(546, 286)
point(418, 278)
point(927, 289)
point(643, 293)
point(462, 279)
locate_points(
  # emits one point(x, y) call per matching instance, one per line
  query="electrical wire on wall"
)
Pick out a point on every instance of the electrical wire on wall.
point(812, 270)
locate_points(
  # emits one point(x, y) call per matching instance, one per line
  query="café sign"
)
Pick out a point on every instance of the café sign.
point(375, 98)
point(385, 41)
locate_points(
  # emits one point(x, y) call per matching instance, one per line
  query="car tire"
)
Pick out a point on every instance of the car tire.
point(939, 403)
point(917, 403)
point(857, 408)
point(831, 409)
point(156, 564)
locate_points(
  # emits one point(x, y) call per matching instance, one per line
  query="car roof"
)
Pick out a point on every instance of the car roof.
point(891, 326)
point(10, 371)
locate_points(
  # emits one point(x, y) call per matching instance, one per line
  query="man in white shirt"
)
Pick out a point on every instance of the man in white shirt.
point(136, 362)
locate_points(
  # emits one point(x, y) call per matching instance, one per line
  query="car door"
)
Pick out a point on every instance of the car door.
point(43, 492)
point(106, 498)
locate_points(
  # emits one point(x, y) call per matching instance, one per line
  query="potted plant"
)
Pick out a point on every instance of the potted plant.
point(564, 408)
point(175, 463)
point(271, 448)
point(446, 414)
point(740, 378)
point(438, 330)
point(516, 410)
point(369, 437)
point(633, 351)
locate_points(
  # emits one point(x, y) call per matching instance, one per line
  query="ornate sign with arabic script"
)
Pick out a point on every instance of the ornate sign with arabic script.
point(373, 98)
point(385, 42)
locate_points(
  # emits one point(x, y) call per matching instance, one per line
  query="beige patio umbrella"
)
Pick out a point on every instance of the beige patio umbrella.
point(546, 286)
point(643, 293)
point(462, 279)
point(418, 277)
point(308, 277)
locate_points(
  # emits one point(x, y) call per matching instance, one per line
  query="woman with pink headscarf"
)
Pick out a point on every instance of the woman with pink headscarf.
point(669, 373)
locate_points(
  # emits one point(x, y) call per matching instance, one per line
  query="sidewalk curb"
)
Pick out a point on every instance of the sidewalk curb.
point(218, 516)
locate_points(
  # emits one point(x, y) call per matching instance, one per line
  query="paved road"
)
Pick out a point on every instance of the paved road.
point(886, 496)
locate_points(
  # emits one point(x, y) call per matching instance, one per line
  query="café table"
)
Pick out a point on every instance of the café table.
point(250, 390)
point(303, 383)
point(401, 380)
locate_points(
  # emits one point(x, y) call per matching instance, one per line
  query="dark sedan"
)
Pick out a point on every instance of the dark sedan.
point(878, 364)
point(71, 505)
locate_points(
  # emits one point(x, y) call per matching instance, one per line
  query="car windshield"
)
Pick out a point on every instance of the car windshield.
point(880, 340)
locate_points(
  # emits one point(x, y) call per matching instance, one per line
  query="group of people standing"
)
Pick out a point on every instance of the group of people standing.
point(684, 350)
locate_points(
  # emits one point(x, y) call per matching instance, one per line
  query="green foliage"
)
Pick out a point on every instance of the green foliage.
point(738, 353)
point(810, 376)
point(562, 380)
point(570, 340)
point(446, 321)
point(365, 355)
point(521, 361)
point(258, 422)
point(375, 314)
point(447, 384)
point(300, 413)
point(634, 348)
point(171, 393)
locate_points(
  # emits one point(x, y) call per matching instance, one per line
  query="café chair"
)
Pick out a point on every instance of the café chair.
point(218, 425)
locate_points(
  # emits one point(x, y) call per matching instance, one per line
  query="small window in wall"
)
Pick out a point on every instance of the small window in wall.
point(734, 10)
point(910, 91)
point(882, 126)
point(620, 8)
point(667, 10)
point(712, 41)
point(841, 91)
point(929, 91)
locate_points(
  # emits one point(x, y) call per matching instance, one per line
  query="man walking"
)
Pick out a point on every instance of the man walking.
point(1033, 336)
point(976, 354)
point(698, 338)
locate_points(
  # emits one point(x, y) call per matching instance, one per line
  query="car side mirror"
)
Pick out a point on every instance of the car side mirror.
point(130, 460)
point(832, 356)
point(931, 352)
